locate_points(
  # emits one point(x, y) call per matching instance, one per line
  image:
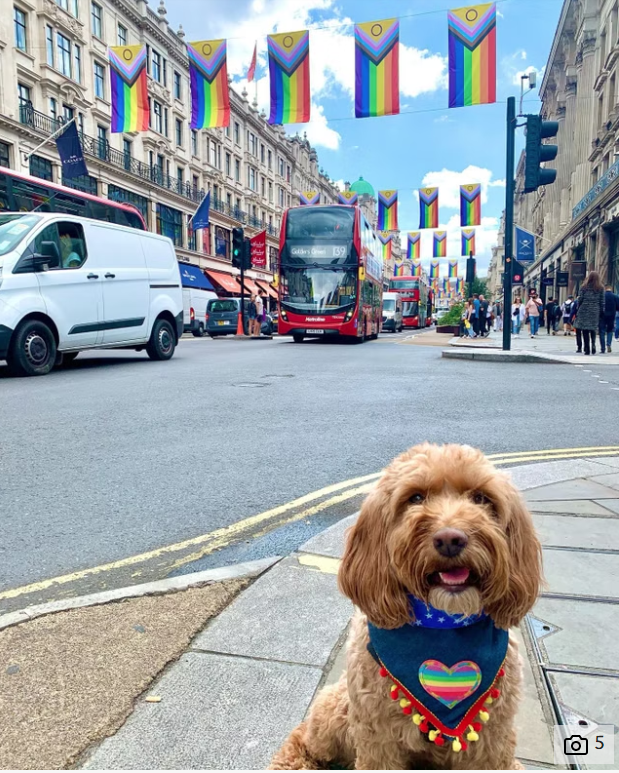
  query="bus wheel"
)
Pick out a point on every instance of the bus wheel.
point(298, 338)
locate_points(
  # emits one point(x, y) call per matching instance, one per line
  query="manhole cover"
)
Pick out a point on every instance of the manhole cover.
point(251, 385)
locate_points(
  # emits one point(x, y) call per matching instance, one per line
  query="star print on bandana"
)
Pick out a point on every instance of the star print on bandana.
point(429, 617)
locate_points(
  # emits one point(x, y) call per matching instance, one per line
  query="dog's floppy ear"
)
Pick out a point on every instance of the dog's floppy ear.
point(366, 575)
point(525, 571)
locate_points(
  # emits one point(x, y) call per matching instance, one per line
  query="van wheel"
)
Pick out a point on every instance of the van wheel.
point(162, 341)
point(33, 350)
point(199, 333)
point(298, 338)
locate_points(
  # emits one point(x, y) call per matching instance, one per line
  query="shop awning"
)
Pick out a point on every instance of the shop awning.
point(193, 276)
point(267, 288)
point(250, 285)
point(225, 281)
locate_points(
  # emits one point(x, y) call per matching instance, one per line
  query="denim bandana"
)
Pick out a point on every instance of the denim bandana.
point(444, 670)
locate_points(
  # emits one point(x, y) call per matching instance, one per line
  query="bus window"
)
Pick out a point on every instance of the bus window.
point(5, 201)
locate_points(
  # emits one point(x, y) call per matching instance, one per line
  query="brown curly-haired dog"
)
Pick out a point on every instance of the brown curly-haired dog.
point(428, 498)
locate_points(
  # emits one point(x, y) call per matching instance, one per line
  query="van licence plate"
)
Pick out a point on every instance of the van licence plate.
point(222, 322)
point(314, 332)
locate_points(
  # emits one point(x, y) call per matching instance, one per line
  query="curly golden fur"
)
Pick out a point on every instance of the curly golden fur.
point(391, 552)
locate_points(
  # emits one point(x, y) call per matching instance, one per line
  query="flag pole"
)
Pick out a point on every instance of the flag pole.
point(256, 79)
point(51, 137)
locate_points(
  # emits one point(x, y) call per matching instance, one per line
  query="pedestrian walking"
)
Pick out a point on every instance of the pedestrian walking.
point(498, 317)
point(607, 320)
point(483, 316)
point(475, 314)
point(566, 314)
point(517, 313)
point(259, 314)
point(251, 315)
point(590, 311)
point(549, 315)
point(469, 318)
point(532, 312)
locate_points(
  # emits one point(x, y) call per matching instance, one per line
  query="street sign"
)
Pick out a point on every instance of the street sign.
point(548, 281)
point(563, 278)
point(525, 245)
point(579, 269)
point(517, 273)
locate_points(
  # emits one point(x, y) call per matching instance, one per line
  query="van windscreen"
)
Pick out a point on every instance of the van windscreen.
point(215, 306)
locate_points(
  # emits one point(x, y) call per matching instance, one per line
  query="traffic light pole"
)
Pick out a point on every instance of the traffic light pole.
point(243, 290)
point(509, 224)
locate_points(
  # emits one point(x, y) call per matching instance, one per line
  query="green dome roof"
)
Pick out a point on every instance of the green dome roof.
point(362, 187)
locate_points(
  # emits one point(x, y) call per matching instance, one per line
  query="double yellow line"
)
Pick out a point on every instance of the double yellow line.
point(193, 549)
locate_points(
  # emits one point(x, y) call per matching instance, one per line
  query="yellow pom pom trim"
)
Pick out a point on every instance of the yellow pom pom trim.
point(489, 700)
point(472, 736)
point(417, 719)
point(484, 716)
point(456, 745)
point(432, 734)
point(404, 702)
point(394, 687)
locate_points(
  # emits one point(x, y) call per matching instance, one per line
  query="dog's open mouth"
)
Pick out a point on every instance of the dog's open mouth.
point(453, 580)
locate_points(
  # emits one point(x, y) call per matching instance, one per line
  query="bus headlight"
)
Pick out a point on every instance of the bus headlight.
point(349, 314)
point(284, 315)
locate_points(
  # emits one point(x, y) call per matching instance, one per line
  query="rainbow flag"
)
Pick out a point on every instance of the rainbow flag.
point(468, 242)
point(440, 244)
point(472, 55)
point(387, 211)
point(413, 245)
point(435, 285)
point(128, 88)
point(428, 208)
point(208, 77)
point(377, 85)
point(435, 269)
point(309, 198)
point(470, 205)
point(347, 197)
point(460, 286)
point(416, 269)
point(386, 239)
point(289, 73)
point(452, 269)
point(398, 269)
point(446, 285)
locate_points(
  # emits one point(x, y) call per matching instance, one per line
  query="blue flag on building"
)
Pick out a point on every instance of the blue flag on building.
point(70, 152)
point(525, 245)
point(200, 217)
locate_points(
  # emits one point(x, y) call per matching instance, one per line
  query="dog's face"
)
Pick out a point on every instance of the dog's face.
point(446, 527)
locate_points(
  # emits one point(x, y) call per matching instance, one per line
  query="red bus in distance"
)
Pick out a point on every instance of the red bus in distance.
point(414, 294)
point(24, 193)
point(330, 275)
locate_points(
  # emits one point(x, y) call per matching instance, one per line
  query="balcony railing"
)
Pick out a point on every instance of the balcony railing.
point(100, 148)
point(601, 185)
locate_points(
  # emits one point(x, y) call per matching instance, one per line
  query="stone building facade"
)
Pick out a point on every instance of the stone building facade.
point(576, 219)
point(53, 67)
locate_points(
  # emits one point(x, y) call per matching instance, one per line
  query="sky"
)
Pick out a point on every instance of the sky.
point(428, 144)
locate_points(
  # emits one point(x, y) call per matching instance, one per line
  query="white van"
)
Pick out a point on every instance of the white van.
point(70, 283)
point(392, 312)
point(197, 292)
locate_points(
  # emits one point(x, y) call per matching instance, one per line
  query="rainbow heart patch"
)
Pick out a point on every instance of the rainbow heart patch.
point(449, 685)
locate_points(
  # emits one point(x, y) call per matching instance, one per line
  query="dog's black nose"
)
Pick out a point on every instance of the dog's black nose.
point(450, 542)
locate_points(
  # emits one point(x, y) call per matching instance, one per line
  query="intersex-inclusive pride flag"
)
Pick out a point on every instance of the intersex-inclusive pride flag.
point(416, 269)
point(128, 88)
point(472, 55)
point(387, 211)
point(460, 286)
point(435, 268)
point(208, 76)
point(309, 198)
point(428, 208)
point(413, 245)
point(386, 239)
point(446, 285)
point(452, 269)
point(289, 73)
point(468, 242)
point(377, 85)
point(470, 205)
point(398, 269)
point(439, 244)
point(347, 197)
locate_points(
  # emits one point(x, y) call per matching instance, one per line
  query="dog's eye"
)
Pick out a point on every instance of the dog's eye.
point(416, 499)
point(480, 498)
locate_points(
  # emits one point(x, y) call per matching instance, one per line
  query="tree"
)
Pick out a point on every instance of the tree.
point(479, 287)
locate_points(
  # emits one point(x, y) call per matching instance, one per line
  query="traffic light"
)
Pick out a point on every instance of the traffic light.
point(238, 247)
point(471, 270)
point(247, 254)
point(537, 153)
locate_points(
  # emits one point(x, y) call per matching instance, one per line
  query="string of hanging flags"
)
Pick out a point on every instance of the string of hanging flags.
point(472, 72)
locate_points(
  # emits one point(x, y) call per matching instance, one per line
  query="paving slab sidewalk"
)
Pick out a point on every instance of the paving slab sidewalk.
point(251, 675)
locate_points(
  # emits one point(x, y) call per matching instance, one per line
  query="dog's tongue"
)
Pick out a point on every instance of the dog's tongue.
point(455, 576)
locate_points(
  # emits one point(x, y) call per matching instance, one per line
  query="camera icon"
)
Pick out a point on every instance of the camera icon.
point(575, 744)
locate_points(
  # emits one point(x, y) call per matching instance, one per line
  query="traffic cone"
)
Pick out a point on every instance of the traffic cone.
point(239, 326)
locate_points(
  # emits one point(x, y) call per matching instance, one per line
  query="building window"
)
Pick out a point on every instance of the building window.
point(67, 113)
point(194, 142)
point(178, 92)
point(222, 243)
point(270, 160)
point(251, 178)
point(19, 19)
point(49, 45)
point(114, 193)
point(270, 192)
point(252, 143)
point(180, 177)
point(170, 223)
point(612, 92)
point(237, 170)
point(85, 183)
point(80, 123)
point(281, 167)
point(281, 196)
point(165, 71)
point(4, 155)
point(191, 235)
point(228, 165)
point(63, 47)
point(262, 152)
point(77, 63)
point(122, 35)
point(41, 167)
point(97, 21)
point(288, 173)
point(178, 132)
point(99, 73)
point(237, 133)
point(158, 113)
point(102, 142)
point(53, 108)
point(23, 94)
point(263, 186)
point(155, 65)
point(601, 110)
point(68, 5)
point(165, 121)
point(227, 130)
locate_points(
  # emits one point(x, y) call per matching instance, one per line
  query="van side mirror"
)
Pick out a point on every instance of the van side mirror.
point(49, 257)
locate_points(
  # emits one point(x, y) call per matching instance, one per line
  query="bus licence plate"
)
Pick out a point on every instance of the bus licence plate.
point(315, 332)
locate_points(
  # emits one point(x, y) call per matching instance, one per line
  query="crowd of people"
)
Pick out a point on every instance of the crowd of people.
point(593, 313)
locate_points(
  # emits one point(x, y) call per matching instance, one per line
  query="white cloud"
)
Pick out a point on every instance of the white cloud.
point(319, 132)
point(421, 71)
point(339, 184)
point(449, 181)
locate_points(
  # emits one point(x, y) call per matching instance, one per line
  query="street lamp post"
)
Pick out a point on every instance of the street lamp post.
point(510, 185)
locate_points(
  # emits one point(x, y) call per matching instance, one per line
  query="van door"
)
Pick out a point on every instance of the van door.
point(72, 291)
point(125, 283)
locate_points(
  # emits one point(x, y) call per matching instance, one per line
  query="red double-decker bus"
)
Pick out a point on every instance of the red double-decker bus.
point(330, 274)
point(414, 293)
